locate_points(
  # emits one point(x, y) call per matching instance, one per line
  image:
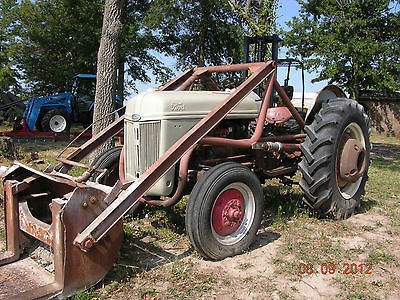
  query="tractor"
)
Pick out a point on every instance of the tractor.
point(188, 137)
point(56, 113)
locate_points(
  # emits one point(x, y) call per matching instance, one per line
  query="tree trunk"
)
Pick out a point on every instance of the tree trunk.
point(205, 13)
point(121, 77)
point(355, 91)
point(122, 55)
point(107, 68)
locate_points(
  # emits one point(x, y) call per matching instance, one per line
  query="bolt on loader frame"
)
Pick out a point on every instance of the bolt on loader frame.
point(81, 221)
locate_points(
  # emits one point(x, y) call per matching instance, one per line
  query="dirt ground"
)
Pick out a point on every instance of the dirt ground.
point(298, 257)
point(270, 270)
point(353, 259)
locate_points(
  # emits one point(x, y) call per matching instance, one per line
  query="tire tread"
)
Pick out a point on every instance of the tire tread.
point(318, 181)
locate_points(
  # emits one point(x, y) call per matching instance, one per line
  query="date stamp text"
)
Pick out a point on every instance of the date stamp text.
point(330, 269)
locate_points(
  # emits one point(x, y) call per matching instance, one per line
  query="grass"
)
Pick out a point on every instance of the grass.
point(86, 295)
point(383, 187)
point(375, 257)
point(178, 279)
point(316, 242)
point(376, 138)
point(157, 261)
point(281, 204)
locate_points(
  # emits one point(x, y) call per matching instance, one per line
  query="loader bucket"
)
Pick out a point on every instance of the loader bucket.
point(50, 210)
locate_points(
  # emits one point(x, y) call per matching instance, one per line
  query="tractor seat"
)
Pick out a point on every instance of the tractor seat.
point(277, 115)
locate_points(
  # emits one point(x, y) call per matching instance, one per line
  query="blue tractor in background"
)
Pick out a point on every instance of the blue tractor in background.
point(56, 113)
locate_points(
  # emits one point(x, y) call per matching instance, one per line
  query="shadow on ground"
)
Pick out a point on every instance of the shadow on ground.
point(365, 206)
point(385, 151)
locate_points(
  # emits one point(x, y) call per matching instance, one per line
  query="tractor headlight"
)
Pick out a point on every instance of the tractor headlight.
point(136, 117)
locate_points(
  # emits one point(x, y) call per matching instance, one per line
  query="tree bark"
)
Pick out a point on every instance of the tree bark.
point(122, 55)
point(121, 77)
point(107, 68)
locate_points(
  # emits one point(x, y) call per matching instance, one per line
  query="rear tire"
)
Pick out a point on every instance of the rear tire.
point(56, 121)
point(336, 159)
point(224, 211)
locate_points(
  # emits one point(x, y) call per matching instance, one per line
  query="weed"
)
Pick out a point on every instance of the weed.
point(358, 287)
point(180, 270)
point(282, 204)
point(245, 266)
point(376, 257)
point(171, 290)
point(121, 273)
point(201, 289)
point(284, 296)
point(149, 293)
point(111, 287)
point(248, 279)
point(9, 151)
point(3, 247)
point(384, 184)
point(75, 172)
point(86, 295)
point(377, 283)
point(367, 228)
point(366, 205)
point(356, 250)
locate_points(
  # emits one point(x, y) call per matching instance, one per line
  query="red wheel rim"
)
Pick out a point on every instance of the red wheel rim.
point(228, 212)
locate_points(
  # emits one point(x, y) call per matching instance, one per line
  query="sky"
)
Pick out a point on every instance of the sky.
point(286, 10)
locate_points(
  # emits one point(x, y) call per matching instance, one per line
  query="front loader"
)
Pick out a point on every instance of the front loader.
point(188, 137)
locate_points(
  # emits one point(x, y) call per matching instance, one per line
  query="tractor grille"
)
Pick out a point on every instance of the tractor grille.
point(143, 144)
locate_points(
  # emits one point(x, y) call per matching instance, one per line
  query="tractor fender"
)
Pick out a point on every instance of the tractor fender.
point(63, 108)
point(32, 111)
point(326, 93)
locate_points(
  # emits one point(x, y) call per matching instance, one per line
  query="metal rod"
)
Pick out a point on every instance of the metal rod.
point(288, 104)
point(182, 180)
point(111, 130)
point(231, 68)
point(284, 138)
point(177, 81)
point(214, 161)
point(58, 241)
point(12, 225)
point(277, 147)
point(246, 143)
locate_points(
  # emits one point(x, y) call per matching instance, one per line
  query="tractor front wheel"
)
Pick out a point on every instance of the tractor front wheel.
point(224, 211)
point(336, 158)
point(55, 120)
point(108, 160)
